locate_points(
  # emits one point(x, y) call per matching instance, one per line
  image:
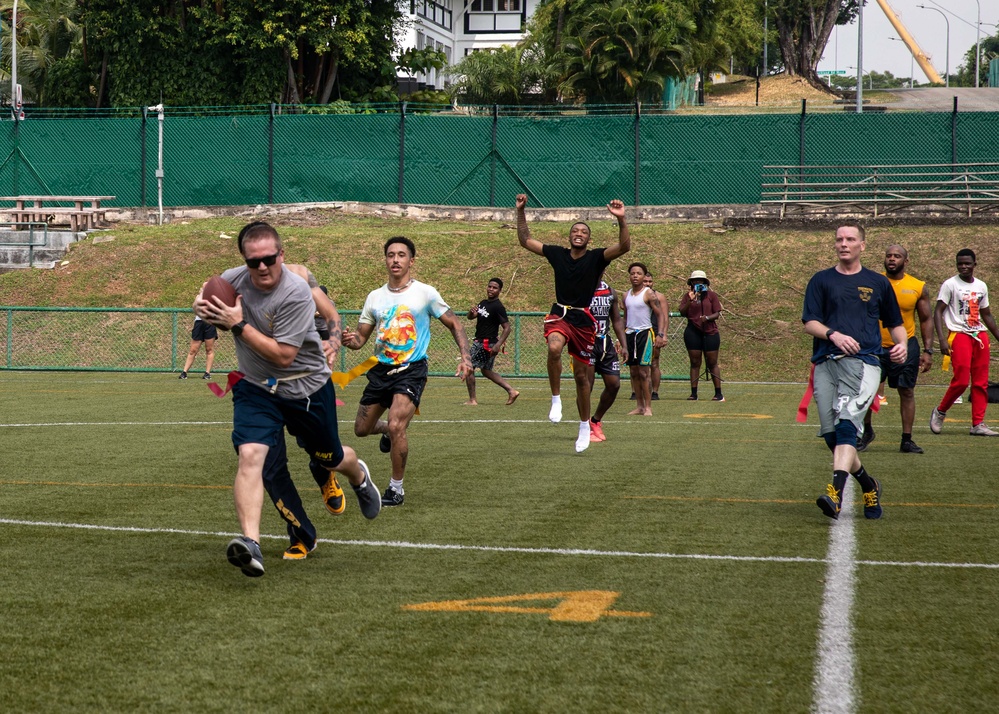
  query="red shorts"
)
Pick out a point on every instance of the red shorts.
point(580, 340)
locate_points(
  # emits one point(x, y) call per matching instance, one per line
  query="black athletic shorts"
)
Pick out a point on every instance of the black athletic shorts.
point(901, 375)
point(696, 341)
point(481, 357)
point(203, 331)
point(605, 359)
point(387, 380)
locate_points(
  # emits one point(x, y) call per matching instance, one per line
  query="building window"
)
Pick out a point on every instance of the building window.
point(438, 13)
point(420, 40)
point(495, 6)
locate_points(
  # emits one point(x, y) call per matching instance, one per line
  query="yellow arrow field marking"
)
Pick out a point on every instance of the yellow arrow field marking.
point(572, 606)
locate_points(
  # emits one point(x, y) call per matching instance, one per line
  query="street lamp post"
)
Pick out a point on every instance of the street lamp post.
point(947, 75)
point(911, 59)
point(978, 40)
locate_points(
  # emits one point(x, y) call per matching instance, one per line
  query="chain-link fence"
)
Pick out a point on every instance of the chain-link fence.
point(475, 156)
point(157, 340)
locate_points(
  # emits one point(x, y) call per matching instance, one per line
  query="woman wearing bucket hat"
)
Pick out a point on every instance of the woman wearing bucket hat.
point(701, 306)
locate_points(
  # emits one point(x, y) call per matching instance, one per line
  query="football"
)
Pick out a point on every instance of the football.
point(222, 289)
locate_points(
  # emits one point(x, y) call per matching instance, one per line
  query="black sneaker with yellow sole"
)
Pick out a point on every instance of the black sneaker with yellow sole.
point(830, 503)
point(333, 496)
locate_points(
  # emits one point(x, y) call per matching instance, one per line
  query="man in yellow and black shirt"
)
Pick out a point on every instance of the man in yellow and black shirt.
point(913, 299)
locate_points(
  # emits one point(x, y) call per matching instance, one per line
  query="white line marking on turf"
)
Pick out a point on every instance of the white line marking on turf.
point(834, 663)
point(499, 549)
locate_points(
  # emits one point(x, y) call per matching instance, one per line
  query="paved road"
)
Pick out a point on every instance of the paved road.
point(941, 99)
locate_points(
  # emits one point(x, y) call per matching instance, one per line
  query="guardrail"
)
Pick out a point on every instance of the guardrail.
point(31, 244)
point(101, 339)
point(964, 188)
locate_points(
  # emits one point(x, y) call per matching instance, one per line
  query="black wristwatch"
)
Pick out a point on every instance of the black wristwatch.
point(829, 333)
point(237, 329)
point(928, 351)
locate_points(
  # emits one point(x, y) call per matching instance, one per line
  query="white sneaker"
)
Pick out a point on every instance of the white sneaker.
point(959, 400)
point(979, 429)
point(555, 415)
point(937, 420)
point(583, 440)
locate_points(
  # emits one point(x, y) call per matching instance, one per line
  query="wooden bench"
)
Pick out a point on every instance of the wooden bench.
point(964, 188)
point(33, 208)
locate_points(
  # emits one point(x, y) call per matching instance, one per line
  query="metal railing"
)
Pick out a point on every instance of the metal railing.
point(157, 340)
point(966, 188)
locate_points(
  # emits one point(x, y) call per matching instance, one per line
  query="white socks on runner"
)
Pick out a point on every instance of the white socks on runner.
point(583, 440)
point(555, 415)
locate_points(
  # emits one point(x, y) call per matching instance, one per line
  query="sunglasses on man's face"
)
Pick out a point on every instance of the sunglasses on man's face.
point(268, 260)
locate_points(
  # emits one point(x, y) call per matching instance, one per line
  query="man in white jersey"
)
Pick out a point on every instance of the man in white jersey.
point(963, 309)
point(641, 307)
point(283, 380)
point(399, 314)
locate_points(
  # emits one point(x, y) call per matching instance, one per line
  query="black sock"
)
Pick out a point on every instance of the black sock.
point(864, 479)
point(693, 391)
point(594, 420)
point(839, 482)
point(906, 438)
point(717, 392)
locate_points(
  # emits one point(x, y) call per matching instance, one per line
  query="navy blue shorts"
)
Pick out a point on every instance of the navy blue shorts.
point(259, 417)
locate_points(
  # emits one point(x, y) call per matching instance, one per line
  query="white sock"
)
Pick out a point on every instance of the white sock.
point(396, 485)
point(583, 440)
point(555, 414)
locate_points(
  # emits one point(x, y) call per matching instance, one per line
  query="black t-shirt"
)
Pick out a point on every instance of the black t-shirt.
point(575, 280)
point(853, 305)
point(492, 315)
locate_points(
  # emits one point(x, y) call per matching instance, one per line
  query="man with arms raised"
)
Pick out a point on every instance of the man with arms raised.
point(913, 298)
point(963, 309)
point(285, 382)
point(398, 314)
point(843, 305)
point(577, 273)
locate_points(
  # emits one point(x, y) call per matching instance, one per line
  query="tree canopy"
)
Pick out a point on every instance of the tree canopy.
point(803, 30)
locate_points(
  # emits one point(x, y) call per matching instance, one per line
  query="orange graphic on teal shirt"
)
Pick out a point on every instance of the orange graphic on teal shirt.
point(397, 336)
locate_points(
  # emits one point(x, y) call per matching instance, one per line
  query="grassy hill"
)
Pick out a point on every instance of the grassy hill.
point(759, 273)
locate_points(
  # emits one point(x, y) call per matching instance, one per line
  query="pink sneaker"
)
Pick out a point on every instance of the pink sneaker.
point(596, 432)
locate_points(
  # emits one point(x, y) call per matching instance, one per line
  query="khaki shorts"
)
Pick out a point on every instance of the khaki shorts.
point(844, 389)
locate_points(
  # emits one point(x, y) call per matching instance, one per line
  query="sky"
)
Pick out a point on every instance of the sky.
point(926, 26)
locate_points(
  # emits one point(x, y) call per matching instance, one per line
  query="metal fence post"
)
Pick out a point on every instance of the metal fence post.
point(270, 157)
point(801, 134)
point(17, 155)
point(142, 158)
point(953, 134)
point(402, 148)
point(492, 154)
point(173, 345)
point(516, 344)
point(10, 338)
point(638, 155)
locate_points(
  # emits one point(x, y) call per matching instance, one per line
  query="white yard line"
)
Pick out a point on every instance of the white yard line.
point(496, 548)
point(835, 681)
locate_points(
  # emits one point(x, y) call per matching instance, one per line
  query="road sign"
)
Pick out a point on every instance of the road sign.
point(831, 71)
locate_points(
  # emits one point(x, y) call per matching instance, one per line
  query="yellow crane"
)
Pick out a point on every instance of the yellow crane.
point(921, 58)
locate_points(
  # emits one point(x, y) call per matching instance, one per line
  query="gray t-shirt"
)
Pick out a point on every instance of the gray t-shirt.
point(287, 314)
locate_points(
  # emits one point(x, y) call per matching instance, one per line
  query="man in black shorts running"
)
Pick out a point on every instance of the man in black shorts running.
point(398, 314)
point(577, 273)
point(491, 318)
point(606, 308)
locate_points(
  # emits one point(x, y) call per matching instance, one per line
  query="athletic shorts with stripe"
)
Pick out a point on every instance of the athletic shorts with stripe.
point(640, 346)
point(579, 340)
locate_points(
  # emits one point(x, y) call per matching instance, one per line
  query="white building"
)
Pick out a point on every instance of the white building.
point(457, 27)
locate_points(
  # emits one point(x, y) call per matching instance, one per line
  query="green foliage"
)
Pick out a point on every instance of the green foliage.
point(872, 80)
point(803, 29)
point(965, 76)
point(509, 75)
point(248, 51)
